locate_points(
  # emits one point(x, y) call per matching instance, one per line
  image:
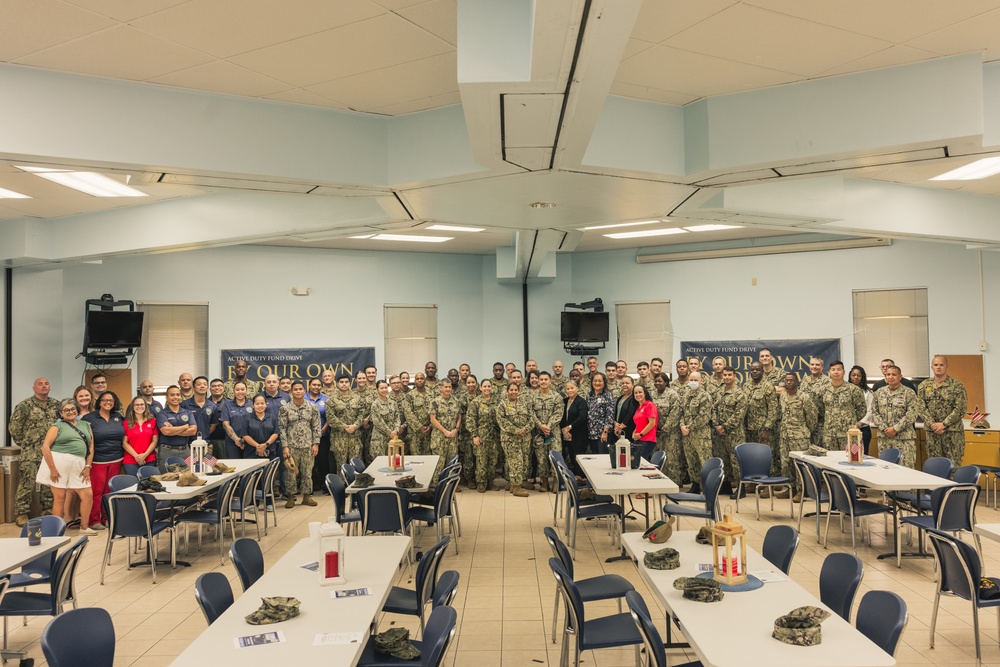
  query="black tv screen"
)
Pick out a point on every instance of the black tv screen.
point(113, 329)
point(584, 327)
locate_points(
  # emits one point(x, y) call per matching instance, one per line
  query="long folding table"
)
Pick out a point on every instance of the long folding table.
point(420, 466)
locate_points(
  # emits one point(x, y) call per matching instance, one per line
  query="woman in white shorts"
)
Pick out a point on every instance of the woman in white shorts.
point(68, 450)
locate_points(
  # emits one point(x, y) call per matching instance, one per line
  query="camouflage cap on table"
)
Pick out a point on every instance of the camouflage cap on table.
point(699, 590)
point(704, 535)
point(274, 610)
point(177, 467)
point(406, 482)
point(801, 626)
point(396, 642)
point(363, 480)
point(664, 559)
point(816, 450)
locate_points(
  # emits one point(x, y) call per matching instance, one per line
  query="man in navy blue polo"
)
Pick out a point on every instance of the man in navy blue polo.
point(176, 425)
point(206, 413)
point(275, 399)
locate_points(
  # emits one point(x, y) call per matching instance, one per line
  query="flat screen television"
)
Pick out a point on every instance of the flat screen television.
point(112, 329)
point(584, 327)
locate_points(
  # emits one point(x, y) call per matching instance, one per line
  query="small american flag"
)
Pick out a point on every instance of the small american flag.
point(210, 460)
point(187, 461)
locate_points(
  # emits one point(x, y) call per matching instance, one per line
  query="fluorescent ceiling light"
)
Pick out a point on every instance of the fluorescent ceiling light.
point(712, 228)
point(647, 232)
point(361, 236)
point(10, 194)
point(620, 224)
point(988, 166)
point(455, 228)
point(889, 317)
point(88, 182)
point(410, 237)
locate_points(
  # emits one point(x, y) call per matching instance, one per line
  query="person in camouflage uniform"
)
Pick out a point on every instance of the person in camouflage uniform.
point(762, 407)
point(799, 418)
point(558, 379)
point(645, 379)
point(366, 394)
point(813, 386)
point(776, 377)
point(431, 379)
point(28, 425)
point(696, 435)
point(446, 418)
point(585, 379)
point(843, 407)
point(481, 421)
point(715, 383)
point(329, 383)
point(240, 369)
point(668, 434)
point(894, 410)
point(343, 416)
point(614, 381)
point(466, 451)
point(384, 415)
point(515, 419)
point(943, 402)
point(398, 398)
point(680, 383)
point(499, 381)
point(729, 414)
point(547, 408)
point(418, 421)
point(301, 429)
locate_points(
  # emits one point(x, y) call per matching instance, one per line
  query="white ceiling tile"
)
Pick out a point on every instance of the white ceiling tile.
point(27, 27)
point(776, 41)
point(400, 83)
point(126, 10)
point(669, 69)
point(892, 20)
point(423, 104)
point(379, 42)
point(635, 47)
point(301, 96)
point(225, 28)
point(438, 17)
point(651, 94)
point(894, 55)
point(221, 76)
point(121, 52)
point(660, 19)
point(979, 34)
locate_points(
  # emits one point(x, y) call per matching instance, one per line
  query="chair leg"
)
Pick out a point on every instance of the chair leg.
point(934, 613)
point(107, 557)
point(555, 613)
point(975, 629)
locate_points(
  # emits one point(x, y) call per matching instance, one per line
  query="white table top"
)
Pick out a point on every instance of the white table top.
point(423, 470)
point(15, 552)
point(736, 631)
point(883, 476)
point(990, 531)
point(369, 561)
point(623, 481)
point(174, 492)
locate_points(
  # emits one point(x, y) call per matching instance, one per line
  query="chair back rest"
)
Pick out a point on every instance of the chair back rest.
point(559, 549)
point(119, 482)
point(383, 510)
point(248, 559)
point(338, 491)
point(843, 491)
point(453, 460)
point(148, 471)
point(427, 571)
point(443, 495)
point(780, 543)
point(571, 597)
point(958, 565)
point(569, 481)
point(754, 458)
point(839, 579)
point(939, 466)
point(445, 589)
point(130, 514)
point(657, 458)
point(63, 582)
point(270, 473)
point(650, 635)
point(349, 473)
point(52, 526)
point(80, 632)
point(954, 507)
point(449, 470)
point(967, 475)
point(808, 478)
point(224, 501)
point(175, 461)
point(711, 489)
point(248, 488)
point(358, 464)
point(214, 595)
point(892, 455)
point(556, 458)
point(881, 618)
point(438, 634)
point(714, 463)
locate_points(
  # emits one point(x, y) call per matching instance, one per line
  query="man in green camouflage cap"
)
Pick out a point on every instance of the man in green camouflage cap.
point(943, 402)
point(29, 423)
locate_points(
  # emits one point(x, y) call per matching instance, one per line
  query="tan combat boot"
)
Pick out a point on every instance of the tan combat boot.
point(290, 502)
point(519, 492)
point(308, 501)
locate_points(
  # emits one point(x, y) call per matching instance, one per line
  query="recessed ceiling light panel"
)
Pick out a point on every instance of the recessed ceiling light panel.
point(711, 228)
point(988, 166)
point(88, 182)
point(621, 224)
point(412, 237)
point(646, 232)
point(10, 194)
point(455, 228)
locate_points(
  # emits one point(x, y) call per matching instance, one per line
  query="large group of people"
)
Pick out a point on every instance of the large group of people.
point(503, 425)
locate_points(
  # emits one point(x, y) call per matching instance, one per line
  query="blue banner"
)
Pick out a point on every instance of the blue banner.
point(791, 355)
point(298, 363)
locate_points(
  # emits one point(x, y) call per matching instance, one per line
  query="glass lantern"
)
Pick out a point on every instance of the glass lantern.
point(331, 554)
point(396, 458)
point(199, 450)
point(729, 552)
point(855, 446)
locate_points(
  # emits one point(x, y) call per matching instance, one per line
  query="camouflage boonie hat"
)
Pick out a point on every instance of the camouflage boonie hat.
point(704, 535)
point(664, 559)
point(801, 626)
point(166, 477)
point(396, 642)
point(406, 482)
point(149, 485)
point(816, 450)
point(363, 480)
point(274, 610)
point(698, 589)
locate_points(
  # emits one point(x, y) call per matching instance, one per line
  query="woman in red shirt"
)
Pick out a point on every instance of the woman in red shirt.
point(141, 435)
point(645, 421)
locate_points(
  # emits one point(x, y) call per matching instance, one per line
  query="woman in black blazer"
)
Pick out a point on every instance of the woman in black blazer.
point(574, 426)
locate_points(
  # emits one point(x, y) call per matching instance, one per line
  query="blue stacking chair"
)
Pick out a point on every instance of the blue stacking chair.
point(839, 579)
point(39, 571)
point(755, 468)
point(338, 491)
point(882, 618)
point(710, 511)
point(134, 515)
point(577, 510)
point(844, 500)
point(952, 510)
point(148, 471)
point(709, 465)
point(436, 639)
point(386, 510)
point(780, 543)
point(80, 637)
point(248, 559)
point(810, 481)
point(892, 455)
point(405, 601)
point(441, 511)
point(217, 513)
point(214, 595)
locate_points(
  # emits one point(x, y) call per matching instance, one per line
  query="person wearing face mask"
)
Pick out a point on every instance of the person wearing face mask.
point(695, 432)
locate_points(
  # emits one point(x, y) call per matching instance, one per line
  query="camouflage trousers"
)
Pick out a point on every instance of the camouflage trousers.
point(515, 448)
point(486, 460)
point(345, 446)
point(792, 444)
point(907, 447)
point(445, 448)
point(674, 465)
point(541, 452)
point(377, 446)
point(302, 481)
point(26, 485)
point(366, 440)
point(772, 441)
point(950, 444)
point(724, 446)
point(834, 441)
point(697, 450)
point(467, 455)
point(420, 443)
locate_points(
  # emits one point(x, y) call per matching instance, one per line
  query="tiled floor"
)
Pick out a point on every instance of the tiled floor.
point(506, 592)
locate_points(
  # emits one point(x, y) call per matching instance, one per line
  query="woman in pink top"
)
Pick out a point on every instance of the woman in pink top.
point(140, 436)
point(645, 421)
